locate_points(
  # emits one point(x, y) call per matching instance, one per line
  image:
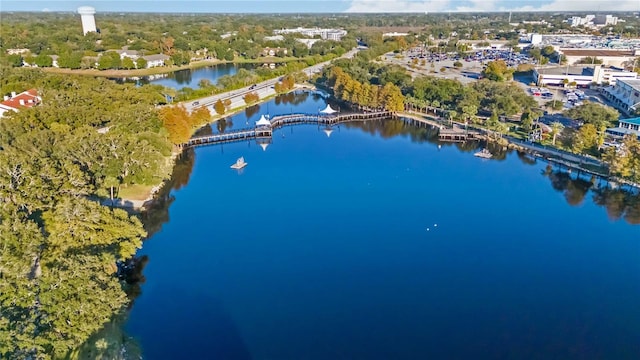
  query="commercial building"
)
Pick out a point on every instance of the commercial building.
point(626, 127)
point(325, 34)
point(567, 43)
point(581, 75)
point(625, 95)
point(620, 58)
point(16, 102)
point(592, 20)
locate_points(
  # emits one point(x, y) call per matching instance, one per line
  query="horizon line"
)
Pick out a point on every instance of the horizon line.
point(333, 13)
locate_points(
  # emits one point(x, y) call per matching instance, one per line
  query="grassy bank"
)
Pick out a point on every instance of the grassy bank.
point(133, 72)
point(168, 69)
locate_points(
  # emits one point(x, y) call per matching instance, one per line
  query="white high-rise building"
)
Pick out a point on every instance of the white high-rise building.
point(88, 22)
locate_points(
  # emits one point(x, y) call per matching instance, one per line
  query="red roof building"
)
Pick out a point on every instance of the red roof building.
point(15, 102)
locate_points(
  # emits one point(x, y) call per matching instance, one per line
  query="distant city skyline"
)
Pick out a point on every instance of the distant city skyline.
point(322, 6)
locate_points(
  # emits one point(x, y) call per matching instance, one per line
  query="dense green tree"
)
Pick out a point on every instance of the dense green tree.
point(180, 58)
point(600, 116)
point(127, 63)
point(109, 60)
point(58, 249)
point(14, 60)
point(497, 70)
point(43, 60)
point(70, 60)
point(141, 63)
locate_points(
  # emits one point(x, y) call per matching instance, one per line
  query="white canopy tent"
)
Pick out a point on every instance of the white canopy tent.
point(263, 121)
point(328, 110)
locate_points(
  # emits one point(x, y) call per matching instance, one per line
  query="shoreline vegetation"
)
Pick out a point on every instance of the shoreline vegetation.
point(122, 73)
point(62, 251)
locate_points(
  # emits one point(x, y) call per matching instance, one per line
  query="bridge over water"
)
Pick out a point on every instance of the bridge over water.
point(264, 128)
point(263, 131)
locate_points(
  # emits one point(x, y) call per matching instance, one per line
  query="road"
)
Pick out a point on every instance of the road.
point(263, 89)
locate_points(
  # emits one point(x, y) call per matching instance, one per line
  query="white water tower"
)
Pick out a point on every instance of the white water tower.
point(88, 22)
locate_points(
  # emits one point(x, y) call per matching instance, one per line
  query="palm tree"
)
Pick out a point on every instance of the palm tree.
point(435, 104)
point(556, 128)
point(452, 114)
point(502, 128)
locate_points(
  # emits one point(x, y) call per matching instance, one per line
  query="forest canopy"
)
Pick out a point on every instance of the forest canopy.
point(59, 248)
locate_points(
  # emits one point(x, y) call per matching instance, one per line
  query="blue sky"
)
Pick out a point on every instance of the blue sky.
point(261, 6)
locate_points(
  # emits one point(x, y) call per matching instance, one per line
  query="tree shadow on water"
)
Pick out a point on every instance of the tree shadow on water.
point(191, 326)
point(619, 203)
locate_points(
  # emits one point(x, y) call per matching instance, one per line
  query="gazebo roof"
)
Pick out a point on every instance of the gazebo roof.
point(263, 121)
point(328, 110)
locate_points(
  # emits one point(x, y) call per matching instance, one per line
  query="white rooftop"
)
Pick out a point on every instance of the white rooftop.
point(263, 121)
point(635, 84)
point(328, 110)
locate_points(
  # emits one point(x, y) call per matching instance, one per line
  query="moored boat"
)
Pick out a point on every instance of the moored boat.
point(239, 164)
point(484, 153)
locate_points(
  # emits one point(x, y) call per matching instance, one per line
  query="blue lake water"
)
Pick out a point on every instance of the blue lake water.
point(326, 247)
point(192, 77)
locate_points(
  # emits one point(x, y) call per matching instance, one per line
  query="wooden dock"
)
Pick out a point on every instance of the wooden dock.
point(266, 132)
point(456, 135)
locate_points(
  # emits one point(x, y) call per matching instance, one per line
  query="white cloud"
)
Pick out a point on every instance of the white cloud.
point(479, 5)
point(398, 6)
point(489, 5)
point(585, 5)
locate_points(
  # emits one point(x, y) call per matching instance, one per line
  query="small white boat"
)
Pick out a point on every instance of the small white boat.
point(239, 164)
point(484, 153)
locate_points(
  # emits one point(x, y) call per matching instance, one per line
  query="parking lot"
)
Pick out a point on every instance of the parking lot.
point(469, 72)
point(419, 63)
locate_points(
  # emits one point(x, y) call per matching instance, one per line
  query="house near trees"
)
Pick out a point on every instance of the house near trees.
point(156, 60)
point(16, 102)
point(268, 51)
point(125, 52)
point(151, 60)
